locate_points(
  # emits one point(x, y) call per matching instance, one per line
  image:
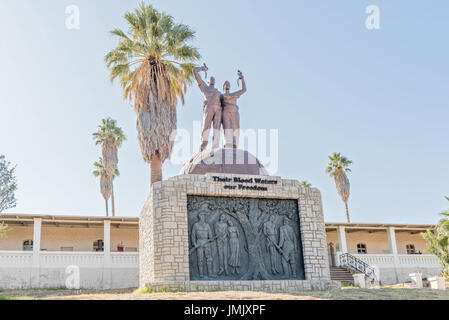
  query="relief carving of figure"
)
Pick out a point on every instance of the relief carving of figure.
point(230, 113)
point(234, 245)
point(211, 109)
point(221, 232)
point(269, 230)
point(201, 237)
point(287, 242)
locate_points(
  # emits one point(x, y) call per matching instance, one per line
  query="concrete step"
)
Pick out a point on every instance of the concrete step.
point(341, 274)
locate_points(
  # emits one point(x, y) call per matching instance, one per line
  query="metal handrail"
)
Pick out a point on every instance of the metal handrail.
point(348, 260)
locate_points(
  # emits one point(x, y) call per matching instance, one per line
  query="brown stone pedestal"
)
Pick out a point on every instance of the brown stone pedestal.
point(224, 160)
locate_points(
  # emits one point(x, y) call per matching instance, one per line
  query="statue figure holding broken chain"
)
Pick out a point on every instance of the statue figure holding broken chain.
point(230, 113)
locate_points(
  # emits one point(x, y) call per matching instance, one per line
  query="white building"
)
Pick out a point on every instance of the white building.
point(39, 249)
point(396, 250)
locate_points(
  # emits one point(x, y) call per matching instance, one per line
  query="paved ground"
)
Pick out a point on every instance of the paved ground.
point(129, 294)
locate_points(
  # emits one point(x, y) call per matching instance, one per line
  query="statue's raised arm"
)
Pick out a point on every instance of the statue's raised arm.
point(199, 80)
point(243, 90)
point(230, 115)
point(211, 109)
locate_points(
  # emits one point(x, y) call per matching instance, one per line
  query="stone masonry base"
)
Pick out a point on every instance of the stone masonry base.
point(164, 242)
point(262, 285)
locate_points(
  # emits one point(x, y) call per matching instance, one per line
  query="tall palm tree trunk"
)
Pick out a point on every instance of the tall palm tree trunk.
point(347, 212)
point(107, 210)
point(156, 168)
point(112, 200)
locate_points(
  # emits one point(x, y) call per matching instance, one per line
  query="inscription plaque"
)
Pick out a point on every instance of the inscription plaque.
point(233, 238)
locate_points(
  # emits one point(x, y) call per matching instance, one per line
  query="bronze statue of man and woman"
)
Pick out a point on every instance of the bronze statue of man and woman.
point(220, 109)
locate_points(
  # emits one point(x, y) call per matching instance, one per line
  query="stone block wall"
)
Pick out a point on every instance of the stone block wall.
point(163, 230)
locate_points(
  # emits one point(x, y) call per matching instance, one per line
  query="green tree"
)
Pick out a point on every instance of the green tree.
point(154, 63)
point(8, 187)
point(306, 184)
point(337, 168)
point(106, 184)
point(111, 138)
point(438, 242)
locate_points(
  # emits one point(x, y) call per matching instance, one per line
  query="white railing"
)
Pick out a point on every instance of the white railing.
point(125, 259)
point(420, 260)
point(405, 260)
point(58, 259)
point(62, 259)
point(15, 258)
point(376, 259)
point(50, 269)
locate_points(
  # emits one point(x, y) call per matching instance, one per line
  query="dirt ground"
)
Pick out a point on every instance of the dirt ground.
point(130, 294)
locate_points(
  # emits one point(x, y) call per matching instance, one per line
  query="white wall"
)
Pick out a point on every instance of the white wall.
point(15, 235)
point(16, 270)
point(405, 238)
point(129, 237)
point(426, 264)
point(377, 242)
point(80, 238)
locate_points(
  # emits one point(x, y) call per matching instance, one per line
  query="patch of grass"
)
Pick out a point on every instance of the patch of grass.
point(52, 288)
point(150, 289)
point(345, 284)
point(16, 298)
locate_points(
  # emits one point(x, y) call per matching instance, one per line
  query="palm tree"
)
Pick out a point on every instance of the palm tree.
point(306, 184)
point(337, 168)
point(154, 63)
point(106, 183)
point(111, 138)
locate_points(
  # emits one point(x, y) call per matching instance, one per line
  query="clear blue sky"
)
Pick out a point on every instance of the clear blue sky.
point(313, 71)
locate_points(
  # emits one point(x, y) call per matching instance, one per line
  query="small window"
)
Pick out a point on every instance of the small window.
point(410, 249)
point(28, 245)
point(361, 248)
point(98, 245)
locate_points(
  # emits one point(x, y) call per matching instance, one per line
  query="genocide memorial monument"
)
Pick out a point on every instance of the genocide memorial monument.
point(224, 223)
